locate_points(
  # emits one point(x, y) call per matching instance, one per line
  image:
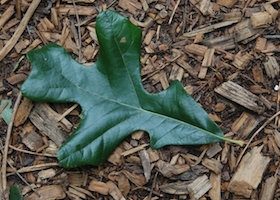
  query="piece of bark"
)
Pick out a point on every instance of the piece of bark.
point(169, 170)
point(22, 44)
point(99, 187)
point(204, 6)
point(243, 30)
point(134, 150)
point(213, 165)
point(241, 60)
point(227, 3)
point(271, 67)
point(271, 10)
point(33, 45)
point(7, 15)
point(32, 140)
point(177, 188)
point(176, 73)
point(48, 192)
point(209, 28)
point(215, 191)
point(268, 191)
point(131, 5)
point(249, 173)
point(114, 191)
point(115, 157)
point(2, 87)
point(196, 49)
point(145, 160)
point(260, 44)
point(76, 179)
point(261, 20)
point(23, 112)
point(48, 173)
point(88, 193)
point(258, 74)
point(212, 151)
point(153, 155)
point(137, 179)
point(17, 78)
point(79, 1)
point(123, 184)
point(82, 10)
point(240, 95)
point(75, 194)
point(245, 124)
point(199, 187)
point(191, 174)
point(208, 60)
point(236, 15)
point(22, 26)
point(187, 67)
point(149, 36)
point(257, 89)
point(276, 136)
point(44, 118)
point(224, 42)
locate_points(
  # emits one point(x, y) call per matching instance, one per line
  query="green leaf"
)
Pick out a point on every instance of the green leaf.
point(15, 193)
point(6, 110)
point(113, 100)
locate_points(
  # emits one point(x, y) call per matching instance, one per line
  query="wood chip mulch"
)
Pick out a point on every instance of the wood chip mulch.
point(224, 52)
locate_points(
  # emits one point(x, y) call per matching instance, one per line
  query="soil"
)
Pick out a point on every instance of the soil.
point(225, 54)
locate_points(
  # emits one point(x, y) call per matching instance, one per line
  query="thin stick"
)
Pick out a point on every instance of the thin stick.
point(9, 163)
point(173, 12)
point(67, 112)
point(79, 31)
point(13, 40)
point(255, 134)
point(6, 148)
point(33, 153)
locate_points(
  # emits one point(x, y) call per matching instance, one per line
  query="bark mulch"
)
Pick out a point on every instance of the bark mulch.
point(224, 52)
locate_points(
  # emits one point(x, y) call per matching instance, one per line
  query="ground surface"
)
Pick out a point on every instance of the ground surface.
point(226, 55)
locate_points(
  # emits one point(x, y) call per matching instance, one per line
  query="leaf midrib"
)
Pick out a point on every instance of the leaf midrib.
point(141, 109)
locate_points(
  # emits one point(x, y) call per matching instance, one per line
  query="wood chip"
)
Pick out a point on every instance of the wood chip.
point(169, 170)
point(240, 95)
point(268, 191)
point(245, 124)
point(271, 67)
point(249, 173)
point(23, 112)
point(48, 192)
point(99, 187)
point(43, 117)
point(145, 160)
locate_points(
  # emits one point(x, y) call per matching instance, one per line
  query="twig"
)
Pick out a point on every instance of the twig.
point(112, 3)
point(79, 31)
point(30, 152)
point(13, 40)
point(6, 148)
point(173, 12)
point(185, 16)
point(67, 112)
point(153, 186)
point(255, 134)
point(9, 163)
